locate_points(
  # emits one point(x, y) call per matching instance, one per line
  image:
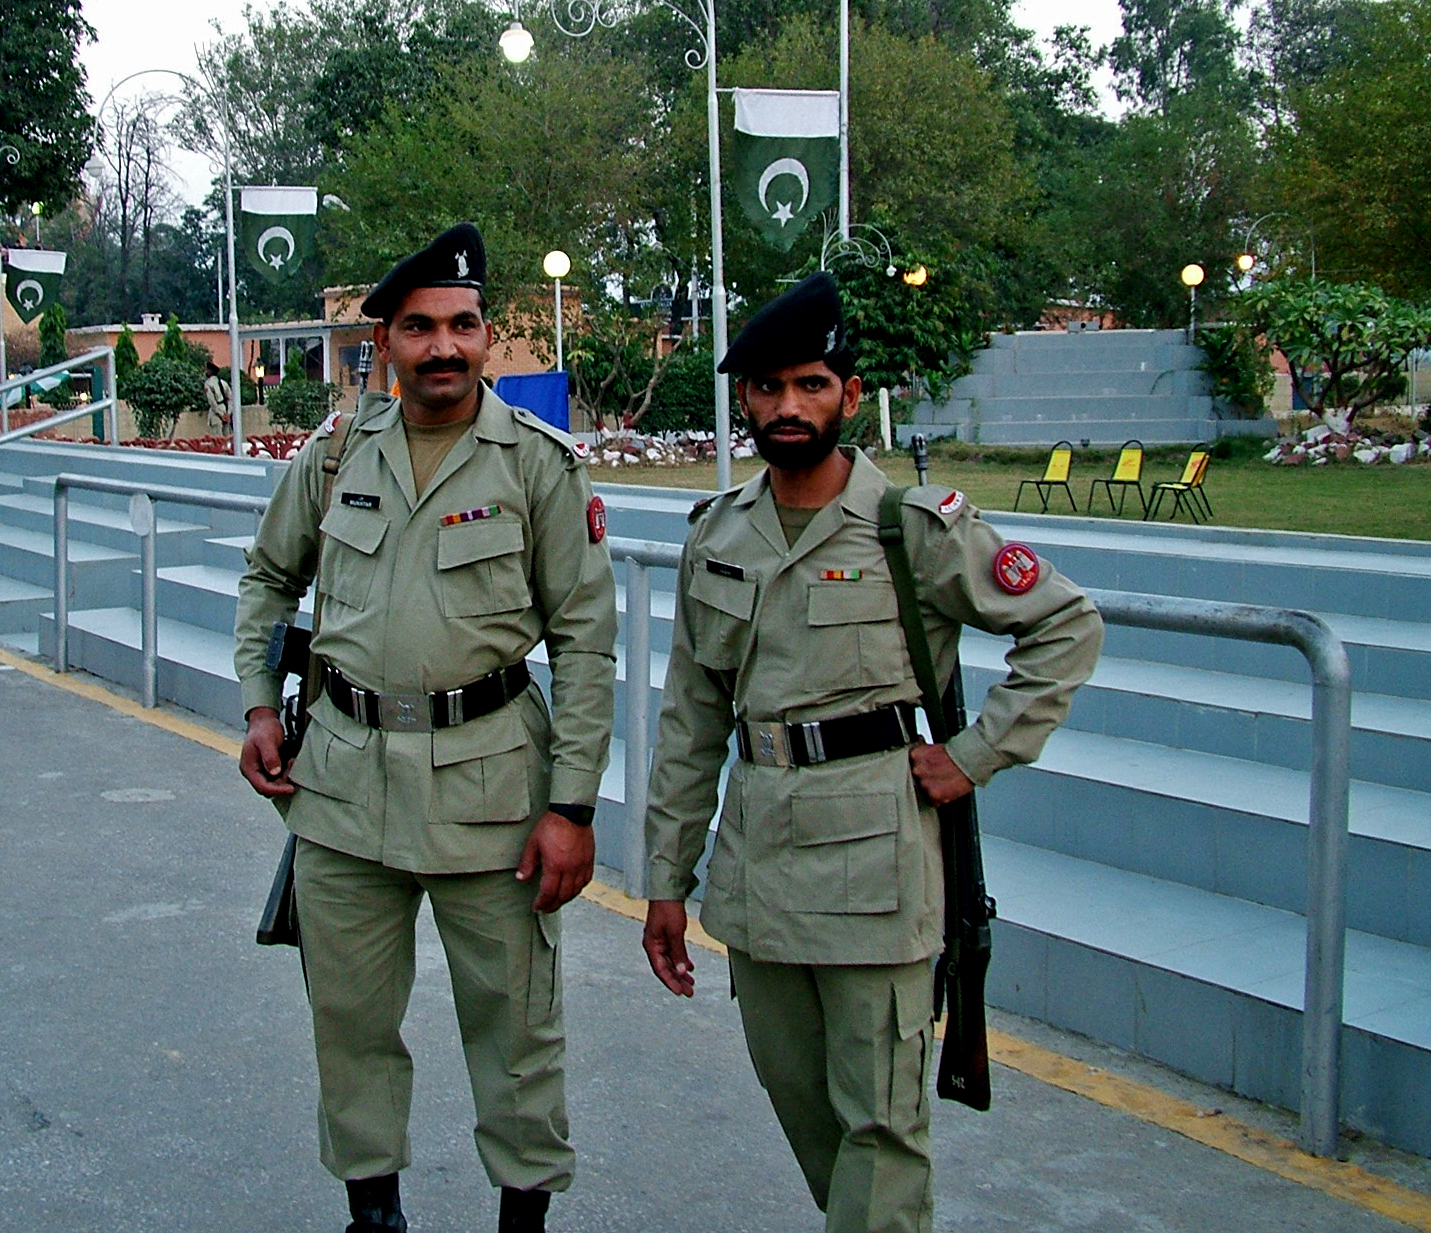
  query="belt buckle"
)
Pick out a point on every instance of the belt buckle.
point(404, 713)
point(769, 744)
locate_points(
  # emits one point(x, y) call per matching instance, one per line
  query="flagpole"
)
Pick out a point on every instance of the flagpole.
point(845, 120)
point(235, 375)
point(718, 307)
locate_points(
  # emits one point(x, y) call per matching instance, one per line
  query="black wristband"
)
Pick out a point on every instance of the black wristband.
point(581, 815)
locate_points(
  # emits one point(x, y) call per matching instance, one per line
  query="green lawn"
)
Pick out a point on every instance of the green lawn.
point(1348, 499)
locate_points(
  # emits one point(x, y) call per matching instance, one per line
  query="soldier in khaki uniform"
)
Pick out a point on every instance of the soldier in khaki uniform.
point(460, 533)
point(825, 881)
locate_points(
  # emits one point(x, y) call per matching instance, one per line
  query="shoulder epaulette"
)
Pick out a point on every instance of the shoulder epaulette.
point(948, 505)
point(700, 508)
point(578, 450)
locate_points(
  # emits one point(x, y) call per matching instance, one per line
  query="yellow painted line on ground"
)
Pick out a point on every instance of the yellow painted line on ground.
point(125, 706)
point(1259, 1148)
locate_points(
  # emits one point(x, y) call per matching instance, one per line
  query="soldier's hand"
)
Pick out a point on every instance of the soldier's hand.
point(260, 762)
point(665, 943)
point(566, 855)
point(937, 775)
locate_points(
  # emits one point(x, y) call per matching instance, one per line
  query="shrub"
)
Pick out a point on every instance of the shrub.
point(54, 351)
point(297, 402)
point(126, 359)
point(1241, 371)
point(685, 397)
point(162, 390)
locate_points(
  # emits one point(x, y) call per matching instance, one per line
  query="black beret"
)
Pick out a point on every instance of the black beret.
point(457, 258)
point(803, 325)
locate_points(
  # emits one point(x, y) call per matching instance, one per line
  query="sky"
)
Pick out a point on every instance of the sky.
point(164, 35)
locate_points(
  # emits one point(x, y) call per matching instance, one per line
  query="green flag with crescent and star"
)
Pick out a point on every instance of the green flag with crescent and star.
point(787, 158)
point(32, 280)
point(277, 228)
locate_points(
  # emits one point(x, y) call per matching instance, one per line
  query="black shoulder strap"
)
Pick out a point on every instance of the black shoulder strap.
point(891, 535)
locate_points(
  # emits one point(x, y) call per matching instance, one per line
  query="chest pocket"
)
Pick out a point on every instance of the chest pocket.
point(480, 568)
point(854, 628)
point(720, 620)
point(350, 547)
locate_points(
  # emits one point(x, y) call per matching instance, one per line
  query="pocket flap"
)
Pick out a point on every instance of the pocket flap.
point(733, 596)
point(465, 542)
point(362, 529)
point(344, 727)
point(496, 733)
point(839, 819)
point(850, 603)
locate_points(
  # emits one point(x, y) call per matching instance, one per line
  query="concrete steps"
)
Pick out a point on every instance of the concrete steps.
point(1093, 387)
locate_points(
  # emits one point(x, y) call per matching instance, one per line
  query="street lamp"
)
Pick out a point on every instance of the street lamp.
point(556, 265)
point(37, 208)
point(235, 402)
point(1246, 259)
point(516, 42)
point(916, 277)
point(1192, 276)
point(587, 15)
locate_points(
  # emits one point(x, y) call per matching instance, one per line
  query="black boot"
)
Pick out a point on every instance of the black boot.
point(373, 1201)
point(523, 1211)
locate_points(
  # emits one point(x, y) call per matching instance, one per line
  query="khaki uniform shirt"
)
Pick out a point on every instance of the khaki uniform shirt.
point(837, 863)
point(413, 604)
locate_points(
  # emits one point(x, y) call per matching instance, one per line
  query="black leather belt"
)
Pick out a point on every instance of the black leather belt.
point(827, 740)
point(401, 712)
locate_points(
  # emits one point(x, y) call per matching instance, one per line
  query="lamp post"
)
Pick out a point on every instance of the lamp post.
point(586, 16)
point(235, 402)
point(1192, 276)
point(1246, 259)
point(12, 156)
point(556, 265)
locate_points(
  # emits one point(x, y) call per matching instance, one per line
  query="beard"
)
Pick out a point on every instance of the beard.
point(796, 455)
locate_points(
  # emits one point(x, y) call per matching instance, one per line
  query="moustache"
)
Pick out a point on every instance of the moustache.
point(432, 366)
point(802, 425)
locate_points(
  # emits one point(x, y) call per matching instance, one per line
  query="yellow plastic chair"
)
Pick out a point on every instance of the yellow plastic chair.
point(1187, 489)
point(1127, 473)
point(1055, 475)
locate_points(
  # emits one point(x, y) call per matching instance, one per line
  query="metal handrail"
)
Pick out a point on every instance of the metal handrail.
point(1308, 633)
point(108, 404)
point(141, 518)
point(1330, 785)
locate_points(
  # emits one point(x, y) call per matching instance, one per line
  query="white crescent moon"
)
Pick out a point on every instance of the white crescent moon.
point(277, 233)
point(786, 167)
point(39, 293)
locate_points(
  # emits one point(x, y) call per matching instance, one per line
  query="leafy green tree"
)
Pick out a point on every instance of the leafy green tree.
point(1346, 344)
point(43, 102)
point(162, 390)
point(1355, 166)
point(126, 359)
point(1171, 47)
point(53, 350)
point(298, 402)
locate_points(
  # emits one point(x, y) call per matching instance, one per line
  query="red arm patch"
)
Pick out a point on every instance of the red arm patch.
point(596, 520)
point(1016, 568)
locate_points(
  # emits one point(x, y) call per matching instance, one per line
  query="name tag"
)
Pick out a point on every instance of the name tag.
point(725, 570)
point(361, 500)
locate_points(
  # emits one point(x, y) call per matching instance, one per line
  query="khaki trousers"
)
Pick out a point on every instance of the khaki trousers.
point(357, 919)
point(844, 1053)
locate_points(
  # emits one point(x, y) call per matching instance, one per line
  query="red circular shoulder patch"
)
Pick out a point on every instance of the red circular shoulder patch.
point(596, 520)
point(1016, 568)
point(581, 449)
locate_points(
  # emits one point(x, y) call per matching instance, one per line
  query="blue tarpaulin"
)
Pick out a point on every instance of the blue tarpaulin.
point(542, 393)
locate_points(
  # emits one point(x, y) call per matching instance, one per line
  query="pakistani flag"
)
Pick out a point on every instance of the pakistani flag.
point(787, 157)
point(277, 228)
point(32, 280)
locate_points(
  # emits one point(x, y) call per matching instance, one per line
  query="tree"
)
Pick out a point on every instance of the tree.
point(298, 402)
point(126, 357)
point(1171, 47)
point(43, 103)
point(1346, 344)
point(53, 350)
point(162, 390)
point(1355, 165)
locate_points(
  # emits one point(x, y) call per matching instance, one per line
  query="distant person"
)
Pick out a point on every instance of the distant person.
point(825, 880)
point(216, 394)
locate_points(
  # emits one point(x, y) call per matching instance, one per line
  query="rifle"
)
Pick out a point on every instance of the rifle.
point(963, 1073)
point(290, 654)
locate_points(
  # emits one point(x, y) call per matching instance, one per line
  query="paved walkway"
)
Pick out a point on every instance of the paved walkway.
point(156, 1071)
